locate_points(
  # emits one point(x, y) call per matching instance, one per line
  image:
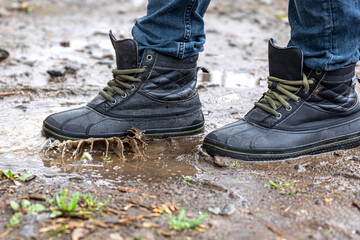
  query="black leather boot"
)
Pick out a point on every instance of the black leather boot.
point(159, 97)
point(304, 112)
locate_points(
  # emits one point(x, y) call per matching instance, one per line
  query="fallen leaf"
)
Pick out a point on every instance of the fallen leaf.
point(150, 225)
point(127, 207)
point(99, 223)
point(75, 224)
point(277, 232)
point(127, 189)
point(55, 227)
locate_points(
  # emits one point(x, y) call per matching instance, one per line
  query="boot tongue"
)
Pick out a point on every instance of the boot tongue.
point(285, 63)
point(126, 52)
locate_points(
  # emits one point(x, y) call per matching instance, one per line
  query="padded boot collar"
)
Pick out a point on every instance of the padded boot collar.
point(285, 63)
point(126, 52)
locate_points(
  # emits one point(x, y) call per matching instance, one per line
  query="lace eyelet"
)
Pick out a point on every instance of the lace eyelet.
point(318, 72)
point(299, 99)
point(306, 92)
point(279, 116)
point(132, 87)
point(123, 96)
point(289, 109)
point(114, 102)
point(149, 57)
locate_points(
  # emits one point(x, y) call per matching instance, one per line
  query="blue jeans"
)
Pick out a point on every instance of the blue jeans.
point(172, 27)
point(327, 31)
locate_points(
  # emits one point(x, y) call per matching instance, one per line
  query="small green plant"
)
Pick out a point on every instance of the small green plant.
point(106, 158)
point(164, 165)
point(86, 156)
point(64, 203)
point(234, 164)
point(180, 223)
point(92, 202)
point(14, 177)
point(186, 180)
point(329, 231)
point(25, 208)
point(281, 185)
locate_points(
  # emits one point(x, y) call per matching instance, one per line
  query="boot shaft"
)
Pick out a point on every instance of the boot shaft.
point(329, 94)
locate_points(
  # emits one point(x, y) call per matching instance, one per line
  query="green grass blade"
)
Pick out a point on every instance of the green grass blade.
point(199, 220)
point(73, 203)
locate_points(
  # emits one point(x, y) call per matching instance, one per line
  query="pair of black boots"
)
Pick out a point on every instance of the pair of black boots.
point(303, 112)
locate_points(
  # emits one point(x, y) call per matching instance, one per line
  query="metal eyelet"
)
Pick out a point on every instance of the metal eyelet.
point(124, 96)
point(298, 100)
point(280, 115)
point(114, 102)
point(289, 109)
point(306, 92)
point(149, 57)
point(132, 87)
point(318, 72)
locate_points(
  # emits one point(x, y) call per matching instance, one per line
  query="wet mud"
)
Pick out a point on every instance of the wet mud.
point(59, 57)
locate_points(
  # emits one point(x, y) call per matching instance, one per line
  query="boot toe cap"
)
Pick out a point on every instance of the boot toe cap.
point(69, 124)
point(237, 136)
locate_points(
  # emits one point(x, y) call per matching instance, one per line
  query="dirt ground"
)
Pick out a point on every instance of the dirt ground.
point(318, 196)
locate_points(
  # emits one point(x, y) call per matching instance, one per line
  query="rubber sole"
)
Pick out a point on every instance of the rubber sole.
point(163, 133)
point(336, 145)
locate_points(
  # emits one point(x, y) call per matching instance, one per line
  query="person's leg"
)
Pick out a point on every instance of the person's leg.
point(311, 105)
point(156, 94)
point(174, 28)
point(327, 32)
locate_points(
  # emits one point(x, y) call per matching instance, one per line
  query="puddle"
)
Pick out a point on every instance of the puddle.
point(167, 160)
point(21, 144)
point(229, 79)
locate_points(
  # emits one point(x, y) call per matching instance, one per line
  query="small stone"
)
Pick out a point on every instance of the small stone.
point(357, 195)
point(313, 185)
point(300, 168)
point(318, 202)
point(39, 218)
point(357, 232)
point(110, 219)
point(3, 54)
point(105, 62)
point(56, 73)
point(71, 68)
point(228, 210)
point(203, 153)
point(222, 161)
point(30, 63)
point(214, 210)
point(65, 44)
point(4, 12)
point(115, 236)
point(28, 231)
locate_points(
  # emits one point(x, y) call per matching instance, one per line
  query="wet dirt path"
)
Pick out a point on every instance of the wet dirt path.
point(70, 39)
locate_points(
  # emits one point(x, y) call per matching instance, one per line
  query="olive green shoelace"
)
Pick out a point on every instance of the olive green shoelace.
point(121, 80)
point(287, 88)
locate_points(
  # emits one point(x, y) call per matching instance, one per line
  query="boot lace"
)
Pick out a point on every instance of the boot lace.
point(121, 79)
point(272, 100)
